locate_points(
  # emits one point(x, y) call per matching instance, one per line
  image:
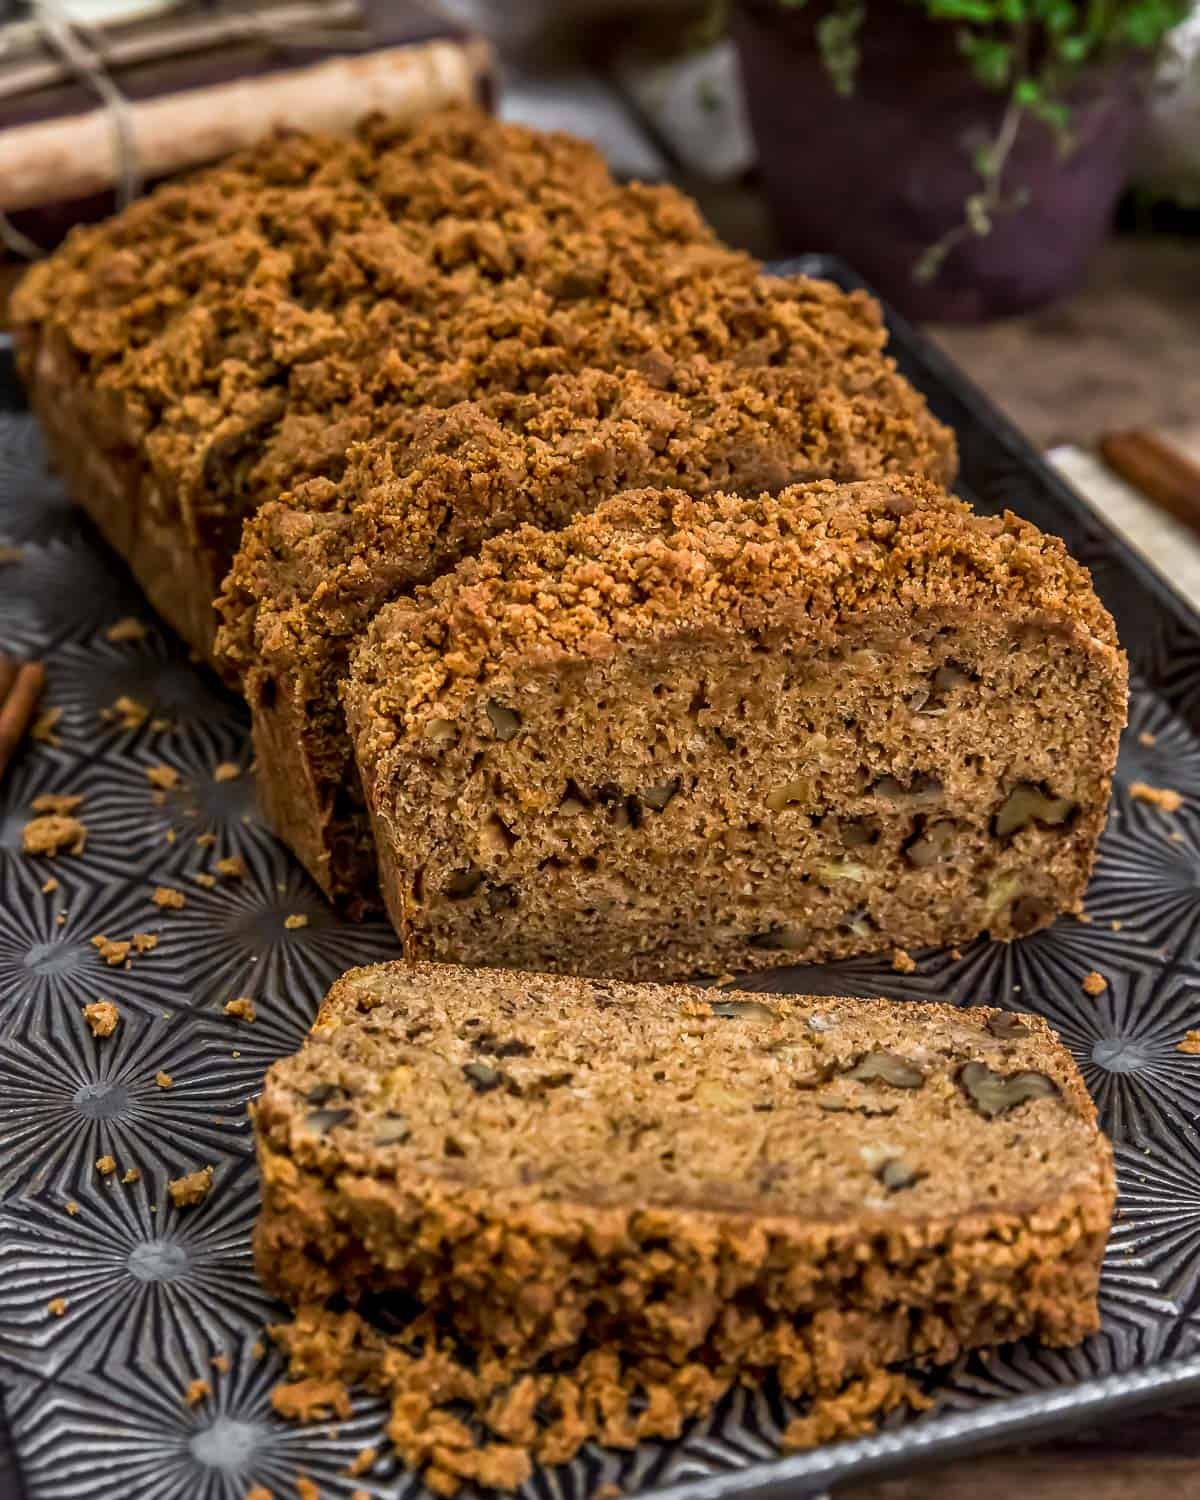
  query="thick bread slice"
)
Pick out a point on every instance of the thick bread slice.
point(315, 567)
point(570, 1193)
point(697, 736)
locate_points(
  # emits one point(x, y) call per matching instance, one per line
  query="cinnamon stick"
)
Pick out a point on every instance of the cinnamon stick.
point(17, 707)
point(1167, 477)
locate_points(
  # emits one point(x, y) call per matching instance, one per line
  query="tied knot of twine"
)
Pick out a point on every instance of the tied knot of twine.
point(81, 55)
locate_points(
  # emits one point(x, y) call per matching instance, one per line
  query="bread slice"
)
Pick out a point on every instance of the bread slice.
point(313, 569)
point(695, 736)
point(559, 1195)
point(235, 332)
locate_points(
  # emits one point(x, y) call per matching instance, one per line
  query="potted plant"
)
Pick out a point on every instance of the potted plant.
point(964, 155)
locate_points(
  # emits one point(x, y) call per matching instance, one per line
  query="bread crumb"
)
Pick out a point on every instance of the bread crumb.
point(199, 1390)
point(192, 1188)
point(133, 1174)
point(362, 1461)
point(1147, 739)
point(163, 1079)
point(260, 1492)
point(145, 942)
point(168, 898)
point(1115, 925)
point(956, 954)
point(44, 726)
point(1190, 1044)
point(1084, 917)
point(258, 1349)
point(166, 778)
point(102, 1016)
point(51, 802)
point(1165, 798)
point(1094, 983)
point(903, 962)
point(52, 834)
point(233, 867)
point(297, 919)
point(306, 1489)
point(202, 877)
point(607, 1491)
point(1175, 838)
point(220, 1363)
point(206, 840)
point(112, 950)
point(127, 629)
point(49, 886)
point(61, 918)
point(56, 1306)
point(242, 1007)
point(106, 1165)
point(71, 1207)
point(227, 771)
point(126, 712)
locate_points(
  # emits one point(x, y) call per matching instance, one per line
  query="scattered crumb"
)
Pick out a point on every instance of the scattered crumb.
point(258, 1349)
point(61, 919)
point(359, 1495)
point(197, 1391)
point(166, 778)
point(49, 886)
point(127, 712)
point(52, 833)
point(192, 1188)
point(168, 898)
point(106, 1165)
point(206, 840)
point(297, 919)
point(71, 1207)
point(1147, 739)
point(956, 954)
point(234, 1053)
point(170, 836)
point(145, 942)
point(1165, 798)
point(1115, 925)
point(227, 771)
point(1190, 1044)
point(1084, 917)
point(134, 1174)
point(1175, 838)
point(362, 1461)
point(607, 1491)
point(202, 877)
point(233, 867)
point(50, 802)
point(306, 1489)
point(242, 1007)
point(102, 1016)
point(220, 1363)
point(260, 1492)
point(903, 962)
point(56, 1306)
point(44, 726)
point(112, 950)
point(163, 1079)
point(128, 629)
point(1094, 984)
point(10, 555)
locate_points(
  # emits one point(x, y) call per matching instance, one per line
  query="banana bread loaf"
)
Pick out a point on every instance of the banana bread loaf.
point(314, 568)
point(688, 736)
point(587, 1209)
point(235, 332)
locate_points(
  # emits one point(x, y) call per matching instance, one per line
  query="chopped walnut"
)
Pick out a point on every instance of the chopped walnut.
point(102, 1016)
point(51, 834)
point(192, 1188)
point(168, 898)
point(1165, 798)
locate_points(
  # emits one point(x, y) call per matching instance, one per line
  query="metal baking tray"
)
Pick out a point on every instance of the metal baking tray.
point(95, 1398)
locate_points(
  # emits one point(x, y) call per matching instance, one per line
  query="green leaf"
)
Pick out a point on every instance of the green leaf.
point(837, 39)
point(983, 11)
point(991, 61)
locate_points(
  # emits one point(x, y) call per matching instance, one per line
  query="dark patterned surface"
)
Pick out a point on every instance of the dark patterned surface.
point(95, 1398)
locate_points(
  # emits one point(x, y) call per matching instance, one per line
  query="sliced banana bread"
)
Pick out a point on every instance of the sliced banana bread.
point(236, 331)
point(688, 736)
point(313, 568)
point(587, 1209)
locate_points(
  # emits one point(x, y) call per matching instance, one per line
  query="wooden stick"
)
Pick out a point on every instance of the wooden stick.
point(16, 712)
point(1159, 471)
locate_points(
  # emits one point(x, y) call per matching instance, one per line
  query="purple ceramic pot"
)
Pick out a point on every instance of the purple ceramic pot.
point(882, 175)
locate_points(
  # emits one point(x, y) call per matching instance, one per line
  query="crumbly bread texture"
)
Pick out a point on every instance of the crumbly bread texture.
point(587, 1209)
point(315, 567)
point(239, 330)
point(687, 736)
